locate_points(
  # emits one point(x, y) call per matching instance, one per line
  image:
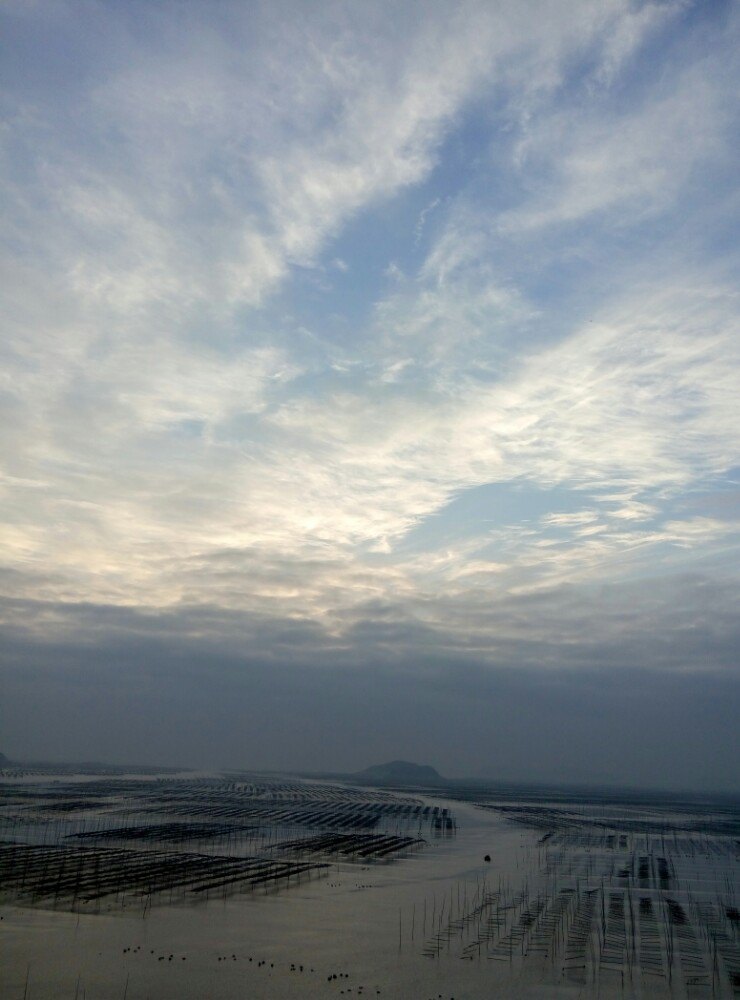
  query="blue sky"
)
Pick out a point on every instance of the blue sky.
point(406, 331)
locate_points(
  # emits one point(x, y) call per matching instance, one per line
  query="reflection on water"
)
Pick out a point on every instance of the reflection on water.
point(179, 886)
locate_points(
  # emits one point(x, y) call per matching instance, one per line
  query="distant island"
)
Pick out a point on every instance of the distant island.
point(399, 772)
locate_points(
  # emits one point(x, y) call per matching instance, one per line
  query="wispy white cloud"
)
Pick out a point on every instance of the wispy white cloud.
point(634, 163)
point(174, 435)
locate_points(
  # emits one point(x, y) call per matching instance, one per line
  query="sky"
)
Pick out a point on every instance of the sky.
point(369, 386)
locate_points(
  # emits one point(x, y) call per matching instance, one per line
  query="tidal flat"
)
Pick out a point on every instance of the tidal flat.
point(169, 885)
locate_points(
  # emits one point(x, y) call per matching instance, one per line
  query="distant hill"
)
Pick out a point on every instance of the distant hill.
point(399, 772)
point(3, 760)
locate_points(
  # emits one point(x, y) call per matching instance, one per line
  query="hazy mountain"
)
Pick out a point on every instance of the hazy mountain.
point(399, 772)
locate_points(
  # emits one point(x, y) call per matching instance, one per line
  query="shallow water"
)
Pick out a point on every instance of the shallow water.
point(435, 922)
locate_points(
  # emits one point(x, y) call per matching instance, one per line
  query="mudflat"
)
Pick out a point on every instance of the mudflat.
point(183, 885)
